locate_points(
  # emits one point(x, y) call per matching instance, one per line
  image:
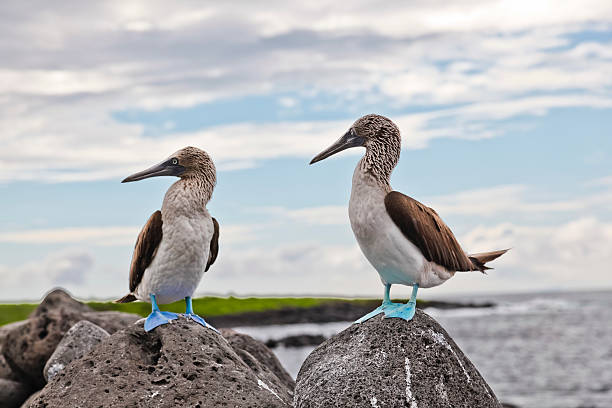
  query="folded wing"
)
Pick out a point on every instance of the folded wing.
point(146, 248)
point(426, 230)
point(214, 245)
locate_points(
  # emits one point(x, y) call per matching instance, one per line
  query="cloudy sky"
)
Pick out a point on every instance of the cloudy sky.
point(505, 110)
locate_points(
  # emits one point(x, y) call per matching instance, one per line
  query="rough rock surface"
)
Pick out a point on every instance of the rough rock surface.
point(12, 393)
point(27, 347)
point(6, 371)
point(248, 348)
point(58, 298)
point(4, 330)
point(30, 399)
point(77, 341)
point(178, 364)
point(392, 363)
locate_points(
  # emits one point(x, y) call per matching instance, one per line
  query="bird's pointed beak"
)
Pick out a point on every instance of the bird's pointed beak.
point(348, 140)
point(165, 168)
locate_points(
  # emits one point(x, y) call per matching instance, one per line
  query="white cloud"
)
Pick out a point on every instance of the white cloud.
point(505, 201)
point(514, 199)
point(95, 235)
point(603, 181)
point(319, 215)
point(300, 268)
point(70, 267)
point(498, 59)
point(571, 255)
point(568, 255)
point(55, 153)
point(109, 236)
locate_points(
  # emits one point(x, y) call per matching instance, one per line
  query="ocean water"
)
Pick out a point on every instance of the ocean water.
point(535, 351)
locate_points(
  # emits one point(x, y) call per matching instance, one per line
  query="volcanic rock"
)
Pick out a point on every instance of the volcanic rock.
point(12, 393)
point(392, 363)
point(248, 349)
point(28, 346)
point(177, 364)
point(77, 341)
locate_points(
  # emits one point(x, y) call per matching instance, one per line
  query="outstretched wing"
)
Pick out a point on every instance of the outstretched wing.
point(426, 230)
point(214, 245)
point(146, 248)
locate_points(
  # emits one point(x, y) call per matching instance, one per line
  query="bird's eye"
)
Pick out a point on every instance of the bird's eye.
point(175, 161)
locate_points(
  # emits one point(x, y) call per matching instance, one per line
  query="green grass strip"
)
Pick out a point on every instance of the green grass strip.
point(205, 306)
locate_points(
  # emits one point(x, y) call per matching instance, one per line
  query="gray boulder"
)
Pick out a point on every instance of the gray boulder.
point(250, 349)
point(28, 346)
point(177, 364)
point(59, 299)
point(13, 393)
point(392, 363)
point(77, 341)
point(8, 327)
point(6, 371)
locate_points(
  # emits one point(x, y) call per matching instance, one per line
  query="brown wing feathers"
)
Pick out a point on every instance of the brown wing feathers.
point(146, 248)
point(144, 252)
point(214, 245)
point(426, 230)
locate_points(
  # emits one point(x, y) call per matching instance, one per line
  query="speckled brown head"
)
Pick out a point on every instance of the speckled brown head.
point(381, 138)
point(189, 162)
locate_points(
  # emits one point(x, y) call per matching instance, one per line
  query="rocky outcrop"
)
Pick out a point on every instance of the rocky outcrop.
point(30, 399)
point(392, 363)
point(77, 341)
point(6, 371)
point(28, 346)
point(250, 349)
point(12, 393)
point(334, 310)
point(59, 299)
point(178, 364)
point(298, 340)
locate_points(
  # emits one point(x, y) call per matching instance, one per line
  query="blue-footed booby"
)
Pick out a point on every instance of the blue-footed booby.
point(405, 241)
point(180, 242)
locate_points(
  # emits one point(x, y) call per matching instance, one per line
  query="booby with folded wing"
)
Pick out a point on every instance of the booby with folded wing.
point(404, 240)
point(180, 242)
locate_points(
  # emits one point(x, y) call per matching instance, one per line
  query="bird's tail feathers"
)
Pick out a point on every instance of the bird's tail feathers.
point(126, 299)
point(479, 260)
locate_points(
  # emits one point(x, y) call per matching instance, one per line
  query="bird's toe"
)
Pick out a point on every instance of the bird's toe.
point(199, 320)
point(404, 311)
point(157, 318)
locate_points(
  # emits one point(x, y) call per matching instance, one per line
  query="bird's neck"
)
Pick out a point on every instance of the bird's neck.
point(188, 196)
point(365, 181)
point(378, 164)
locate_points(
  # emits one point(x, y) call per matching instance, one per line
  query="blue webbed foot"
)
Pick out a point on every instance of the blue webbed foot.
point(199, 320)
point(385, 308)
point(190, 315)
point(403, 311)
point(157, 318)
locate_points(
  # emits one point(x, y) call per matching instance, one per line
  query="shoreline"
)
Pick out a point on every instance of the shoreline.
point(326, 312)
